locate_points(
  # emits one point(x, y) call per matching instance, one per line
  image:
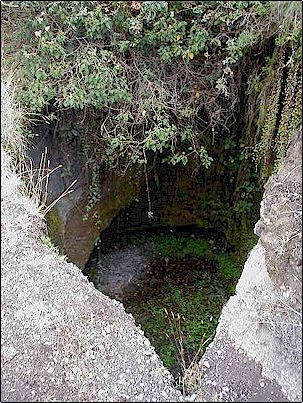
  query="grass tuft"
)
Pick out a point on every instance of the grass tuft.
point(34, 182)
point(12, 118)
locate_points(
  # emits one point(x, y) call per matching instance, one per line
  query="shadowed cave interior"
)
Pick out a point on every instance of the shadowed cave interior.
point(173, 279)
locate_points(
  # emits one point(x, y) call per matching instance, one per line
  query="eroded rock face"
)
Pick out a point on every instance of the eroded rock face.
point(71, 227)
point(256, 354)
point(177, 197)
point(79, 235)
point(280, 225)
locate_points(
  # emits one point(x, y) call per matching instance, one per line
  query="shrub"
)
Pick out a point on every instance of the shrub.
point(213, 85)
point(146, 77)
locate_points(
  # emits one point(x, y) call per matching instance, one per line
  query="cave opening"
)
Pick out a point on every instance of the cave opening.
point(171, 254)
point(212, 85)
point(172, 274)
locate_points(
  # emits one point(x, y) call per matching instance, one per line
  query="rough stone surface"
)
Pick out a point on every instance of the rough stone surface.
point(118, 272)
point(232, 376)
point(176, 197)
point(280, 226)
point(62, 340)
point(79, 235)
point(75, 235)
point(259, 336)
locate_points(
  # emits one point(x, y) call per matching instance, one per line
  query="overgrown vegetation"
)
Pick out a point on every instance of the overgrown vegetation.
point(228, 264)
point(185, 81)
point(194, 311)
point(214, 86)
point(33, 182)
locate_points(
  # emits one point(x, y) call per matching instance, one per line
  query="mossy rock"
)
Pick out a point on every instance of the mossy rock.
point(55, 226)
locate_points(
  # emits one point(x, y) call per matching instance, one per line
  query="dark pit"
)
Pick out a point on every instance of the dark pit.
point(174, 281)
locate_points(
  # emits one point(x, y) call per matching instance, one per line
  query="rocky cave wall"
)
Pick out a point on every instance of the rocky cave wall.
point(177, 196)
point(256, 354)
point(68, 228)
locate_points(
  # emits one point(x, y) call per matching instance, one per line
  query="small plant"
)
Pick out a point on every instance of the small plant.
point(49, 243)
point(178, 335)
point(35, 182)
point(188, 378)
point(180, 315)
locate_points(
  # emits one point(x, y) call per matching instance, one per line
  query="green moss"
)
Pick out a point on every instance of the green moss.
point(55, 225)
point(50, 244)
point(181, 312)
point(227, 267)
point(179, 320)
point(175, 215)
point(172, 246)
point(249, 240)
point(91, 272)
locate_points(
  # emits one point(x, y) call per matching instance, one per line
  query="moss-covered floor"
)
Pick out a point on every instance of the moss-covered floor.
point(179, 297)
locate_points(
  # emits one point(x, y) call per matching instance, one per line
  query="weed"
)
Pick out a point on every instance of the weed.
point(180, 313)
point(180, 319)
point(35, 182)
point(49, 243)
